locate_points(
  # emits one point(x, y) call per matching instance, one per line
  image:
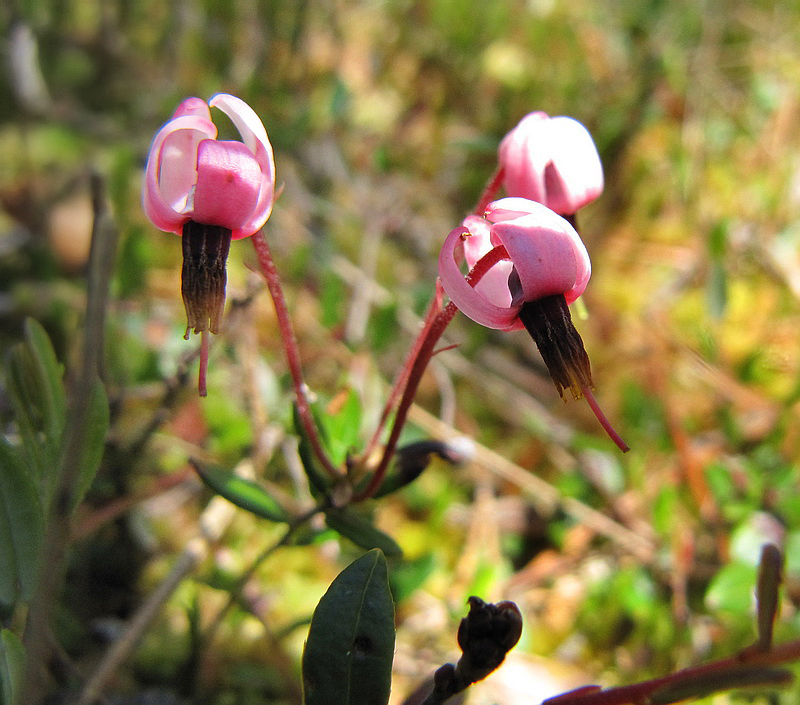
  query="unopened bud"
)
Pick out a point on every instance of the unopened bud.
point(411, 461)
point(486, 635)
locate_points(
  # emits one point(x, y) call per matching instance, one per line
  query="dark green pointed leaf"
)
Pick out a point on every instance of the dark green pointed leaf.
point(12, 661)
point(350, 647)
point(243, 493)
point(21, 527)
point(94, 443)
point(360, 531)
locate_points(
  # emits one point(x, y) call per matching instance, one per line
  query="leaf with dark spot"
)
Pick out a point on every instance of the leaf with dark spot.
point(350, 648)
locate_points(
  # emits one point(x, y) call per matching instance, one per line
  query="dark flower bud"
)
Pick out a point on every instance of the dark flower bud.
point(411, 460)
point(485, 636)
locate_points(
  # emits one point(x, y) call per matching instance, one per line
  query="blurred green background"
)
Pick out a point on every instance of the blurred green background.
point(385, 118)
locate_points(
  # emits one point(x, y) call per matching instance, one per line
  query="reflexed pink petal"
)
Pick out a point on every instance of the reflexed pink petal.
point(547, 252)
point(468, 300)
point(543, 257)
point(177, 174)
point(523, 160)
point(255, 137)
point(170, 170)
point(494, 284)
point(479, 241)
point(228, 184)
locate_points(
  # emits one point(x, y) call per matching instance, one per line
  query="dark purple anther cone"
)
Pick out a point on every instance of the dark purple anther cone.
point(203, 278)
point(549, 323)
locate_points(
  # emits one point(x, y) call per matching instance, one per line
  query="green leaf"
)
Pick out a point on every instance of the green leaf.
point(52, 399)
point(244, 493)
point(343, 428)
point(350, 647)
point(361, 531)
point(316, 475)
point(94, 441)
point(731, 590)
point(33, 380)
point(12, 661)
point(20, 383)
point(21, 527)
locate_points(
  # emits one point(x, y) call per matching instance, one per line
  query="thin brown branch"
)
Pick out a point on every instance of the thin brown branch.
point(749, 667)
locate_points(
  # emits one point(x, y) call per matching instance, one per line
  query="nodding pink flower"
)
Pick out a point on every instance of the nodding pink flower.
point(191, 175)
point(552, 161)
point(527, 264)
point(209, 191)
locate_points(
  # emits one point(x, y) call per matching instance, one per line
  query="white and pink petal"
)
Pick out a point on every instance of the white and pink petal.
point(469, 300)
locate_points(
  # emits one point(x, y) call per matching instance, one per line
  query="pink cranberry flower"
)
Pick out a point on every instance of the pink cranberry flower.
point(545, 257)
point(552, 161)
point(191, 175)
point(210, 192)
point(527, 264)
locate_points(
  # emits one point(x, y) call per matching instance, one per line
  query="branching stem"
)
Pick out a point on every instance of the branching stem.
point(425, 351)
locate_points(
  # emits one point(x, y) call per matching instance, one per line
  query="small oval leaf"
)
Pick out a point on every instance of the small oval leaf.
point(244, 493)
point(350, 648)
point(49, 371)
point(361, 531)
